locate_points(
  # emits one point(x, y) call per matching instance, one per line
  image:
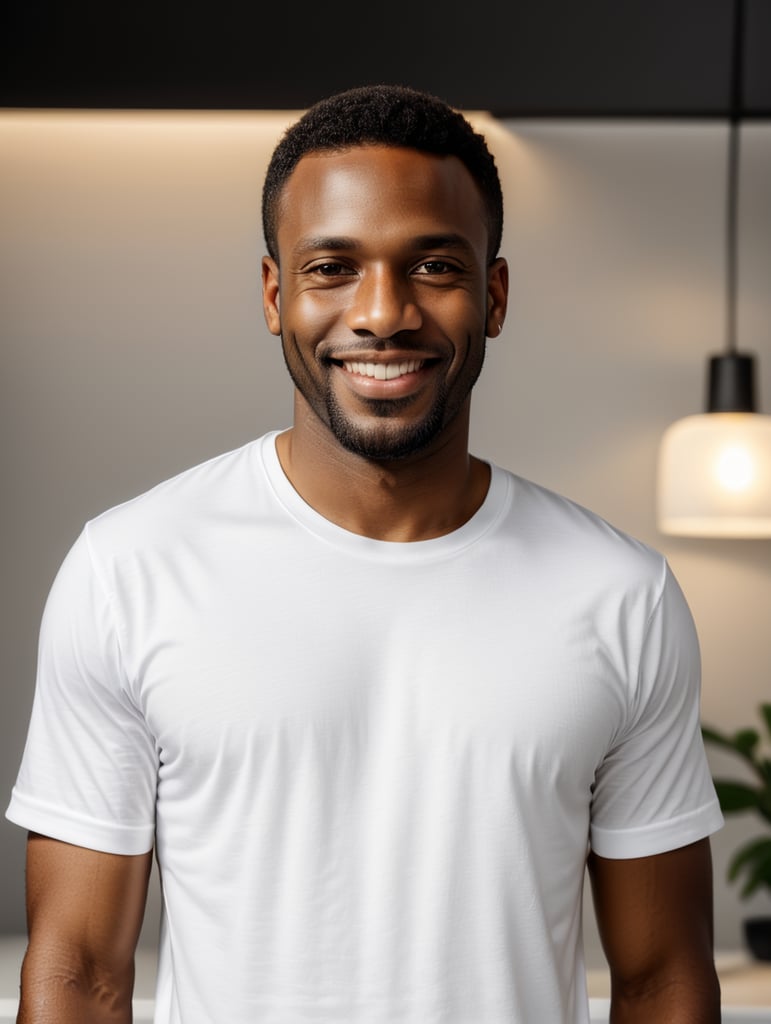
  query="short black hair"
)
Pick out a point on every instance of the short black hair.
point(384, 115)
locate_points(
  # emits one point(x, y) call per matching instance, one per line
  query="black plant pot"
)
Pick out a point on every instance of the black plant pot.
point(757, 931)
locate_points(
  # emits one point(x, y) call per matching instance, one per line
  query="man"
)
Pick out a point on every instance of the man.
point(374, 702)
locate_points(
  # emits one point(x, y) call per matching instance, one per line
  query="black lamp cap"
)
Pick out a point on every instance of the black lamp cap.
point(731, 383)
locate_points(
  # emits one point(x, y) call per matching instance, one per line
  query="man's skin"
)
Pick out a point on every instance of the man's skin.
point(84, 914)
point(382, 261)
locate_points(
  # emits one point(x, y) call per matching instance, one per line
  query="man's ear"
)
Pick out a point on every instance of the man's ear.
point(270, 295)
point(497, 296)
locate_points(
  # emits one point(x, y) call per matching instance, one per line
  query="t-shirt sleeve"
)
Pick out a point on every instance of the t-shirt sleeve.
point(89, 769)
point(653, 791)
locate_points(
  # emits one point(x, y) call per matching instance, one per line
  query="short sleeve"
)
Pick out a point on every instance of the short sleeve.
point(89, 769)
point(654, 792)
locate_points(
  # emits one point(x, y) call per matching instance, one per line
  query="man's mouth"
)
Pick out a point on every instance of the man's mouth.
point(383, 371)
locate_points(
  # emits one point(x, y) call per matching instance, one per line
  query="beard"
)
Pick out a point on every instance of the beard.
point(384, 440)
point(380, 436)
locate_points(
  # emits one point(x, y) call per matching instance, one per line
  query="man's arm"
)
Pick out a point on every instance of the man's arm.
point(654, 916)
point(84, 914)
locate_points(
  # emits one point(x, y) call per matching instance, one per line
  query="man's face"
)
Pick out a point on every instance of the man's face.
point(383, 296)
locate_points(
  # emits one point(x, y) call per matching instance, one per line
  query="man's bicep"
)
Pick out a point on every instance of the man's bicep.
point(89, 902)
point(654, 914)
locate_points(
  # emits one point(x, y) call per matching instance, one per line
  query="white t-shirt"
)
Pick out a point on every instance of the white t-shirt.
point(372, 770)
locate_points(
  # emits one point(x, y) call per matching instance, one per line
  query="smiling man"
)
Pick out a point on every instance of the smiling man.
point(375, 702)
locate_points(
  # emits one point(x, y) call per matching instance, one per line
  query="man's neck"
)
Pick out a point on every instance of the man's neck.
point(418, 498)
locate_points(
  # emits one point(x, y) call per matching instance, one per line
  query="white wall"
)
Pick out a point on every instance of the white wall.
point(133, 346)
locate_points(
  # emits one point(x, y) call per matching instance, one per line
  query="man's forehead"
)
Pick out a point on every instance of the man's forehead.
point(401, 164)
point(368, 181)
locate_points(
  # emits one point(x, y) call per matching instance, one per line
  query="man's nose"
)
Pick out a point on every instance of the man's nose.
point(383, 304)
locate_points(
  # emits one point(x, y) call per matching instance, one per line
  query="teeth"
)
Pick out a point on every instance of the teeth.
point(384, 371)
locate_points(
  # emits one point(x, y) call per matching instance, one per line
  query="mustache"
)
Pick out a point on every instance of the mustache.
point(341, 350)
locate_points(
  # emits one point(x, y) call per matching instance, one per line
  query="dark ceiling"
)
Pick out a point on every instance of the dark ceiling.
point(543, 58)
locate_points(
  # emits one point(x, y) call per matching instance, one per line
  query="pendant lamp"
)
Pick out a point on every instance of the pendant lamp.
point(714, 470)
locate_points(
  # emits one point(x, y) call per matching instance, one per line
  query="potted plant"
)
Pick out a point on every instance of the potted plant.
point(751, 863)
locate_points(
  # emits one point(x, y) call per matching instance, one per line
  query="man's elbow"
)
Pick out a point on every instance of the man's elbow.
point(64, 985)
point(689, 994)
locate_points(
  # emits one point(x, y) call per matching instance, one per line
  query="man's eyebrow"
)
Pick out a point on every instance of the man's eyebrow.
point(443, 240)
point(341, 243)
point(328, 243)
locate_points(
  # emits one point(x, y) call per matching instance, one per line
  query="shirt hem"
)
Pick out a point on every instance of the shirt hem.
point(104, 837)
point(659, 837)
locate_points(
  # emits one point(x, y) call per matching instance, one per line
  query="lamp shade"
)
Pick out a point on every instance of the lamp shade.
point(714, 476)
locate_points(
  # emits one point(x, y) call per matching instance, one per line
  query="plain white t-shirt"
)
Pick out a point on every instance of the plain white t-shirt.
point(372, 771)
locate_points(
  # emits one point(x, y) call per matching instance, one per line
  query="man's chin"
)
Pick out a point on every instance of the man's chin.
point(385, 445)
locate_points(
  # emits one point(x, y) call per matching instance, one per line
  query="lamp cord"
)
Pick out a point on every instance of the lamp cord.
point(732, 177)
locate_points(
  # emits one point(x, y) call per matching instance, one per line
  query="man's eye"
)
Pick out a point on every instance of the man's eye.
point(434, 267)
point(330, 269)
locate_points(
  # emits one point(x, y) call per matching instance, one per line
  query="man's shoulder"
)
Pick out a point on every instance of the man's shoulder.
point(562, 528)
point(181, 503)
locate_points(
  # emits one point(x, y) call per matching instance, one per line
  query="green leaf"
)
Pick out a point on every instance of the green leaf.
point(719, 738)
point(759, 874)
point(741, 743)
point(754, 850)
point(765, 710)
point(764, 803)
point(745, 741)
point(735, 796)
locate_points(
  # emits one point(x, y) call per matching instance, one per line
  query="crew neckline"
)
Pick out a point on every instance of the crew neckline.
point(493, 507)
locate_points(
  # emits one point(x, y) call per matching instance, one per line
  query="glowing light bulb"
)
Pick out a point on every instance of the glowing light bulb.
point(734, 468)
